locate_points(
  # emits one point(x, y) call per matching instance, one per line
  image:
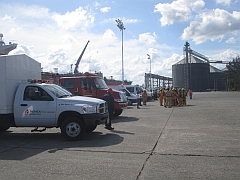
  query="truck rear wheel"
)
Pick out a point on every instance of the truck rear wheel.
point(117, 112)
point(73, 128)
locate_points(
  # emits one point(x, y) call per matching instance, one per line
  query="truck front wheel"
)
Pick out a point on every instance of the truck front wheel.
point(91, 128)
point(73, 128)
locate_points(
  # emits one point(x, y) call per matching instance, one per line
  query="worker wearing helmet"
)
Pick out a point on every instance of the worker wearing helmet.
point(173, 97)
point(161, 93)
point(144, 97)
point(180, 97)
point(168, 97)
point(110, 102)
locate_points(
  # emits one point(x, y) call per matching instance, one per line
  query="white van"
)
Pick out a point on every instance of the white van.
point(132, 98)
point(135, 88)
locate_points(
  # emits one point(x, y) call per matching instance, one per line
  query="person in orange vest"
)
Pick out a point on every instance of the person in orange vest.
point(144, 97)
point(174, 97)
point(180, 97)
point(190, 93)
point(168, 97)
point(161, 93)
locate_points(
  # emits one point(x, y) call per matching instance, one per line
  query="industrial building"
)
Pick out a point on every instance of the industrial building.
point(195, 72)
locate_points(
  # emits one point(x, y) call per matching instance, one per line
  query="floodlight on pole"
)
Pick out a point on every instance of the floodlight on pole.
point(121, 27)
point(150, 71)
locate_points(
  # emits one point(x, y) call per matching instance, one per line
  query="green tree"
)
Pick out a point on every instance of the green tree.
point(233, 74)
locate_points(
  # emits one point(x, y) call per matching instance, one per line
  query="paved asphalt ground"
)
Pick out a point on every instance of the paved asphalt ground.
point(197, 141)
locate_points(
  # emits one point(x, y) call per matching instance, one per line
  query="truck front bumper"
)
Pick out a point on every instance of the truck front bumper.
point(95, 119)
point(121, 105)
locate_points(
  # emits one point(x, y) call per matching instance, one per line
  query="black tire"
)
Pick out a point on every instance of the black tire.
point(3, 129)
point(117, 113)
point(73, 128)
point(91, 128)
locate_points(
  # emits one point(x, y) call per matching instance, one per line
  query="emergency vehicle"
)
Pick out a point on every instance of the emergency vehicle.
point(91, 85)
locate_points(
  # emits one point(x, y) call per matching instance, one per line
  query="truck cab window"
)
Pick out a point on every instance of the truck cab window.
point(86, 83)
point(100, 83)
point(35, 94)
point(69, 83)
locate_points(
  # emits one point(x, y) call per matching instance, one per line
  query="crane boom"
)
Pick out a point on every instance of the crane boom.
point(79, 59)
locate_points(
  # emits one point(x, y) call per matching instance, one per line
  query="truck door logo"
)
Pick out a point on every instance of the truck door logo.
point(27, 111)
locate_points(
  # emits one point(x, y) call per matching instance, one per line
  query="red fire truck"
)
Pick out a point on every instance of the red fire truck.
point(92, 85)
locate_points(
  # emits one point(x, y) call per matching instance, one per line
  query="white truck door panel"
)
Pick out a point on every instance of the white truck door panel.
point(37, 112)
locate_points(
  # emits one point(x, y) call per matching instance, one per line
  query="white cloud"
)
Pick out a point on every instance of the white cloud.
point(213, 25)
point(231, 40)
point(97, 4)
point(124, 20)
point(224, 2)
point(109, 34)
point(225, 56)
point(7, 18)
point(80, 18)
point(148, 38)
point(105, 9)
point(179, 10)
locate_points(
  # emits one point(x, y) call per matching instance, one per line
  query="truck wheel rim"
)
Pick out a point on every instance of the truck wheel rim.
point(73, 129)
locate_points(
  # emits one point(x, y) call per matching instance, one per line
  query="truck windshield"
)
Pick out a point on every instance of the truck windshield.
point(100, 83)
point(58, 91)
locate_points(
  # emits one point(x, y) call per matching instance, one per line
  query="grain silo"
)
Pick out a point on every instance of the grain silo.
point(218, 79)
point(193, 75)
point(195, 72)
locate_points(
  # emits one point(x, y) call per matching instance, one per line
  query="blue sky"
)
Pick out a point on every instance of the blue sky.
point(55, 33)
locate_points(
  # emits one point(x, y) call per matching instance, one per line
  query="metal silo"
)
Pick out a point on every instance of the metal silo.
point(218, 79)
point(198, 74)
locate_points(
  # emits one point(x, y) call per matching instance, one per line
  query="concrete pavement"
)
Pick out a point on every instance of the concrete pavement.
point(197, 141)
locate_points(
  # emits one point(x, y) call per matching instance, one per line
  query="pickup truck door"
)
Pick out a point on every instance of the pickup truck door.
point(37, 108)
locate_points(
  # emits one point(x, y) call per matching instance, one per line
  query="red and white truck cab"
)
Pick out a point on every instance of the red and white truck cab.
point(92, 85)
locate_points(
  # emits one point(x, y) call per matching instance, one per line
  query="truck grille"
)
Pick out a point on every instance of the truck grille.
point(103, 108)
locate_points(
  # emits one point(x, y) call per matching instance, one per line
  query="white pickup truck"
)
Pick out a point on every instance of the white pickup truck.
point(43, 105)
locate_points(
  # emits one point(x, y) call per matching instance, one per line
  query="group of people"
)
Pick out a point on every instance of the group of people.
point(173, 97)
point(167, 97)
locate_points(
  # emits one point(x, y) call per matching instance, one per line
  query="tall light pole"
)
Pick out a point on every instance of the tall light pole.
point(150, 71)
point(121, 27)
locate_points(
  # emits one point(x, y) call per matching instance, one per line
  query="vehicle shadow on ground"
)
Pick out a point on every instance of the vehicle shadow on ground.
point(20, 146)
point(124, 119)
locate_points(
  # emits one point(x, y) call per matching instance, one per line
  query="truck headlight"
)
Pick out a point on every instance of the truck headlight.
point(89, 109)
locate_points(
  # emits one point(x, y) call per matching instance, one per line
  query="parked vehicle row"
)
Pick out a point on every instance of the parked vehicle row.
point(132, 98)
point(42, 105)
